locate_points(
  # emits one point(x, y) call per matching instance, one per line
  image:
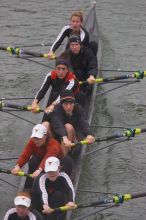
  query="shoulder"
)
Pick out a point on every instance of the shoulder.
point(66, 28)
point(70, 76)
point(52, 74)
point(31, 144)
point(34, 215)
point(58, 109)
point(65, 176)
point(83, 29)
point(78, 107)
point(53, 141)
point(10, 212)
point(86, 51)
point(41, 179)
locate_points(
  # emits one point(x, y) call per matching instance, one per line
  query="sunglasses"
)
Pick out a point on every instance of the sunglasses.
point(61, 68)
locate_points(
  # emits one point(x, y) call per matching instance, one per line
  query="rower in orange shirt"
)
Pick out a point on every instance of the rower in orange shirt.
point(37, 150)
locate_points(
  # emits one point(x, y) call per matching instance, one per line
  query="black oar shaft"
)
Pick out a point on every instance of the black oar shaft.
point(19, 107)
point(137, 75)
point(117, 199)
point(114, 136)
point(143, 130)
point(138, 195)
point(92, 204)
point(5, 171)
point(20, 173)
point(18, 51)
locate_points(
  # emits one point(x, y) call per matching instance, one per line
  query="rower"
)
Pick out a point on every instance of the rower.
point(52, 190)
point(68, 118)
point(76, 25)
point(83, 62)
point(22, 209)
point(38, 148)
point(59, 79)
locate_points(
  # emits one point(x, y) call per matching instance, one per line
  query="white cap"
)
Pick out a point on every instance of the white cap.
point(52, 164)
point(39, 131)
point(22, 200)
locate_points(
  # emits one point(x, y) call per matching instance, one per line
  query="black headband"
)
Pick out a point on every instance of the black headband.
point(63, 62)
point(75, 38)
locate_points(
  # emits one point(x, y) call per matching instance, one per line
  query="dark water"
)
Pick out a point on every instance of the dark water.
point(123, 32)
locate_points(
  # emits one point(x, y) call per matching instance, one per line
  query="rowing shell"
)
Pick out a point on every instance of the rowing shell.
point(92, 27)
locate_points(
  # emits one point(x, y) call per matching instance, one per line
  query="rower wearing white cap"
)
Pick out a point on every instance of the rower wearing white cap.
point(22, 209)
point(53, 189)
point(39, 147)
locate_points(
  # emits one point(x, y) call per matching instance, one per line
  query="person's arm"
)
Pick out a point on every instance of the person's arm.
point(40, 188)
point(57, 122)
point(36, 214)
point(92, 63)
point(61, 36)
point(83, 123)
point(84, 35)
point(85, 127)
point(68, 187)
point(9, 213)
point(44, 88)
point(24, 157)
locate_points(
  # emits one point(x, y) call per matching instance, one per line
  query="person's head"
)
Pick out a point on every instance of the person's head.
point(67, 100)
point(76, 20)
point(75, 43)
point(22, 203)
point(39, 134)
point(52, 168)
point(62, 66)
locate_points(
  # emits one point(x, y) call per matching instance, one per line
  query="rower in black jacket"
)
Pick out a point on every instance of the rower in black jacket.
point(67, 118)
point(82, 60)
point(83, 63)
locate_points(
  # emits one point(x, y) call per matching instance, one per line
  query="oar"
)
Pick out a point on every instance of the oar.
point(18, 51)
point(117, 70)
point(19, 107)
point(37, 45)
point(20, 173)
point(17, 98)
point(137, 75)
point(130, 132)
point(117, 199)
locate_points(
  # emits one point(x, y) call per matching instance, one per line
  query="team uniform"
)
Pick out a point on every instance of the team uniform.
point(11, 214)
point(69, 82)
point(53, 193)
point(50, 148)
point(38, 155)
point(66, 32)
